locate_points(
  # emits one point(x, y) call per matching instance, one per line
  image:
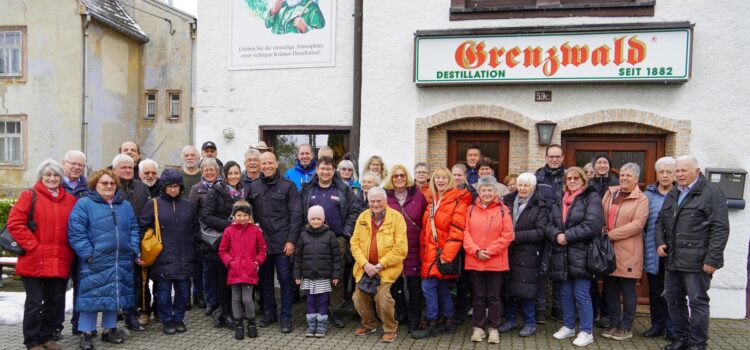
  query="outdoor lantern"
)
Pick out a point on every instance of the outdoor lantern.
point(545, 130)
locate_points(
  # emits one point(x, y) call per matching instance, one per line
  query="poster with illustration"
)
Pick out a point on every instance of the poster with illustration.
point(273, 34)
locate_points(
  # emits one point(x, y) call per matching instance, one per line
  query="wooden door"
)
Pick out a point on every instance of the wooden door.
point(621, 149)
point(494, 144)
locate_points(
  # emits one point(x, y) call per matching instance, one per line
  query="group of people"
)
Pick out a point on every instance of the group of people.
point(393, 242)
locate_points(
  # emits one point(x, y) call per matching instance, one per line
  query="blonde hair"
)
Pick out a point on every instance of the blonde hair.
point(443, 171)
point(389, 180)
point(580, 173)
point(383, 170)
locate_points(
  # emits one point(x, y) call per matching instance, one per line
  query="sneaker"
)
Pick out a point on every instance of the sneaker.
point(607, 333)
point(506, 327)
point(494, 337)
point(478, 335)
point(564, 333)
point(621, 334)
point(583, 339)
point(362, 330)
point(528, 330)
point(388, 337)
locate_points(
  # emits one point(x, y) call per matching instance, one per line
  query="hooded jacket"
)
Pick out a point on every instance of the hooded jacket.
point(412, 211)
point(277, 209)
point(528, 244)
point(301, 175)
point(549, 182)
point(650, 256)
point(391, 241)
point(317, 255)
point(627, 235)
point(243, 251)
point(450, 221)
point(178, 225)
point(490, 229)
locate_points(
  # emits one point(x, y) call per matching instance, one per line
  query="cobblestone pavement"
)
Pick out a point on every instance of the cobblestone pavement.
point(725, 334)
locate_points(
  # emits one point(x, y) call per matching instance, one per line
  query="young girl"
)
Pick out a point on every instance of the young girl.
point(242, 250)
point(317, 265)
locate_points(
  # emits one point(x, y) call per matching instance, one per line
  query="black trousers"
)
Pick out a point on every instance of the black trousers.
point(411, 306)
point(43, 299)
point(621, 315)
point(692, 325)
point(74, 277)
point(657, 304)
point(487, 287)
point(463, 296)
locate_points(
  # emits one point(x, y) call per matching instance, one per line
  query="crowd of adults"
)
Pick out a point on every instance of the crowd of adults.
point(394, 243)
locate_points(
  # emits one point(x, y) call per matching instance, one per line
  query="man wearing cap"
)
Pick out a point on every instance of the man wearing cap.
point(208, 150)
point(304, 170)
point(262, 147)
point(603, 177)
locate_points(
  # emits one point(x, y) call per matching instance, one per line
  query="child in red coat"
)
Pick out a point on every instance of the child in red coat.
point(242, 250)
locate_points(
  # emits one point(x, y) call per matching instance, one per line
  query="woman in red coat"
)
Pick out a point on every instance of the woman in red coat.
point(45, 267)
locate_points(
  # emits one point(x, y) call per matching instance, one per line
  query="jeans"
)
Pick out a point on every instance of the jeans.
point(280, 263)
point(409, 299)
point(615, 287)
point(43, 299)
point(487, 306)
point(209, 282)
point(198, 275)
point(527, 307)
point(437, 297)
point(317, 303)
point(172, 310)
point(657, 304)
point(87, 321)
point(692, 326)
point(577, 291)
point(385, 307)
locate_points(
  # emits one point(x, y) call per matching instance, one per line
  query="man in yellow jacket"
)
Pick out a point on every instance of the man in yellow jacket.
point(379, 247)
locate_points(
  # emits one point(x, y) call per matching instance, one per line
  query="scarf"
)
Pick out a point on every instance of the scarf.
point(205, 183)
point(401, 196)
point(519, 204)
point(55, 193)
point(238, 193)
point(568, 199)
point(378, 218)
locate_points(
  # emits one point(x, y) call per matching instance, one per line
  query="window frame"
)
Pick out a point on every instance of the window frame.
point(170, 116)
point(23, 162)
point(24, 50)
point(155, 105)
point(463, 10)
point(267, 133)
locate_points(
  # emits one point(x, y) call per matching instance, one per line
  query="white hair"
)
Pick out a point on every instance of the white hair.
point(210, 162)
point(122, 158)
point(526, 178)
point(74, 153)
point(50, 164)
point(146, 162)
point(349, 165)
point(252, 152)
point(374, 176)
point(688, 158)
point(665, 161)
point(487, 181)
point(189, 148)
point(635, 168)
point(376, 191)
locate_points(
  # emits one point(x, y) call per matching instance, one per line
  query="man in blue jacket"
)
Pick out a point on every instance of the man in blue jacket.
point(304, 170)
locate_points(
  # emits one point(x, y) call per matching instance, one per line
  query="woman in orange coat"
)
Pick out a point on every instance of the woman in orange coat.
point(442, 230)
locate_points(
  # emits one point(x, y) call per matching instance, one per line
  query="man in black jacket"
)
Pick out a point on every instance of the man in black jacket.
point(603, 177)
point(277, 210)
point(341, 208)
point(691, 232)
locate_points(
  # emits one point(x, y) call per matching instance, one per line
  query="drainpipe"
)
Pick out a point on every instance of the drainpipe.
point(84, 91)
point(357, 98)
point(191, 121)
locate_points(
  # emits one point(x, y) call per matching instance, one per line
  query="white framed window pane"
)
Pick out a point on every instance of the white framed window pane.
point(18, 127)
point(3, 61)
point(15, 62)
point(2, 127)
point(15, 150)
point(13, 38)
point(3, 150)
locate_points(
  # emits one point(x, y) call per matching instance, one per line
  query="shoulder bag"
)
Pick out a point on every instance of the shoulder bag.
point(7, 242)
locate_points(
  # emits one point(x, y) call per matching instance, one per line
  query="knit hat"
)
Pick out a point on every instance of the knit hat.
point(316, 211)
point(601, 155)
point(242, 206)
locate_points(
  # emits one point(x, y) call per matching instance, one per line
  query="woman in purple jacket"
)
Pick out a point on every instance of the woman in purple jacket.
point(408, 200)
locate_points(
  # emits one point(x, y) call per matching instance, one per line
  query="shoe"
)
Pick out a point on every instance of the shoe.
point(654, 332)
point(539, 317)
point(143, 319)
point(312, 324)
point(528, 330)
point(459, 318)
point(199, 302)
point(168, 328)
point(621, 334)
point(506, 327)
point(179, 326)
point(286, 326)
point(133, 324)
point(56, 335)
point(268, 319)
point(584, 339)
point(696, 347)
point(252, 330)
point(388, 337)
point(111, 336)
point(336, 320)
point(494, 337)
point(557, 315)
point(229, 322)
point(413, 326)
point(670, 336)
point(362, 330)
point(38, 347)
point(477, 335)
point(432, 330)
point(209, 310)
point(449, 327)
point(603, 322)
point(607, 333)
point(679, 344)
point(87, 341)
point(218, 319)
point(239, 330)
point(51, 345)
point(564, 333)
point(321, 326)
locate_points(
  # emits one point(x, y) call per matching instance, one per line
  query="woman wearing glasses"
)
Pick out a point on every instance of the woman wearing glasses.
point(103, 232)
point(346, 173)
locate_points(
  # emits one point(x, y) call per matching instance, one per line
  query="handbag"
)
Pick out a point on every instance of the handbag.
point(600, 257)
point(7, 242)
point(453, 267)
point(151, 245)
point(210, 237)
point(369, 284)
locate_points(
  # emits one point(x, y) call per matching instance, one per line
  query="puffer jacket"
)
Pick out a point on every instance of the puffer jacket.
point(584, 221)
point(450, 219)
point(317, 255)
point(602, 184)
point(526, 251)
point(650, 257)
point(105, 237)
point(47, 251)
point(412, 211)
point(391, 241)
point(300, 175)
point(277, 209)
point(627, 231)
point(178, 224)
point(217, 207)
point(243, 251)
point(136, 193)
point(489, 229)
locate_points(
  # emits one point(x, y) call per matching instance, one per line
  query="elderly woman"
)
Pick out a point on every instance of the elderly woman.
point(653, 264)
point(589, 170)
point(103, 232)
point(174, 266)
point(45, 267)
point(487, 235)
point(441, 240)
point(346, 172)
point(576, 220)
point(625, 214)
point(408, 200)
point(377, 166)
point(198, 193)
point(486, 167)
point(422, 178)
point(369, 180)
point(510, 182)
point(529, 211)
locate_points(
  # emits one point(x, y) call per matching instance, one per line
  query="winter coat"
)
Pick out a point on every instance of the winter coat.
point(472, 175)
point(489, 229)
point(549, 183)
point(247, 181)
point(106, 240)
point(80, 190)
point(412, 211)
point(525, 252)
point(277, 210)
point(178, 225)
point(391, 240)
point(155, 190)
point(317, 255)
point(695, 232)
point(47, 251)
point(243, 251)
point(136, 193)
point(472, 191)
point(650, 257)
point(197, 197)
point(627, 235)
point(450, 219)
point(584, 221)
point(602, 184)
point(217, 208)
point(349, 205)
point(301, 175)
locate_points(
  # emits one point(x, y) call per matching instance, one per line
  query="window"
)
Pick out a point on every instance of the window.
point(151, 105)
point(491, 9)
point(12, 53)
point(11, 141)
point(285, 139)
point(174, 105)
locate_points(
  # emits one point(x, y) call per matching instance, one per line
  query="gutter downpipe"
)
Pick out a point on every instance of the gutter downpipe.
point(357, 91)
point(84, 91)
point(191, 122)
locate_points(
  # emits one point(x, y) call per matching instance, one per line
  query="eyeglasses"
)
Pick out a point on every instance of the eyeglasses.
point(107, 183)
point(573, 178)
point(77, 165)
point(149, 173)
point(397, 176)
point(347, 169)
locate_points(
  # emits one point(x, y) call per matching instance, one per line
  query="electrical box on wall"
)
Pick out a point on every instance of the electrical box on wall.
point(731, 182)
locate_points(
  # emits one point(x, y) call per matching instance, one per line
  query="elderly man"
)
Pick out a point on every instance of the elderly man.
point(691, 232)
point(252, 167)
point(209, 150)
point(278, 211)
point(74, 182)
point(378, 247)
point(190, 170)
point(473, 156)
point(149, 174)
point(131, 149)
point(303, 171)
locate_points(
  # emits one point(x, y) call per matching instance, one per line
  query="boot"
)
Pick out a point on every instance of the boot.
point(229, 322)
point(322, 326)
point(252, 330)
point(432, 330)
point(111, 336)
point(87, 341)
point(413, 326)
point(239, 330)
point(312, 320)
point(218, 318)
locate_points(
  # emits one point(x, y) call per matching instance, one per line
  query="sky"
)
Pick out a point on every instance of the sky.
point(189, 6)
